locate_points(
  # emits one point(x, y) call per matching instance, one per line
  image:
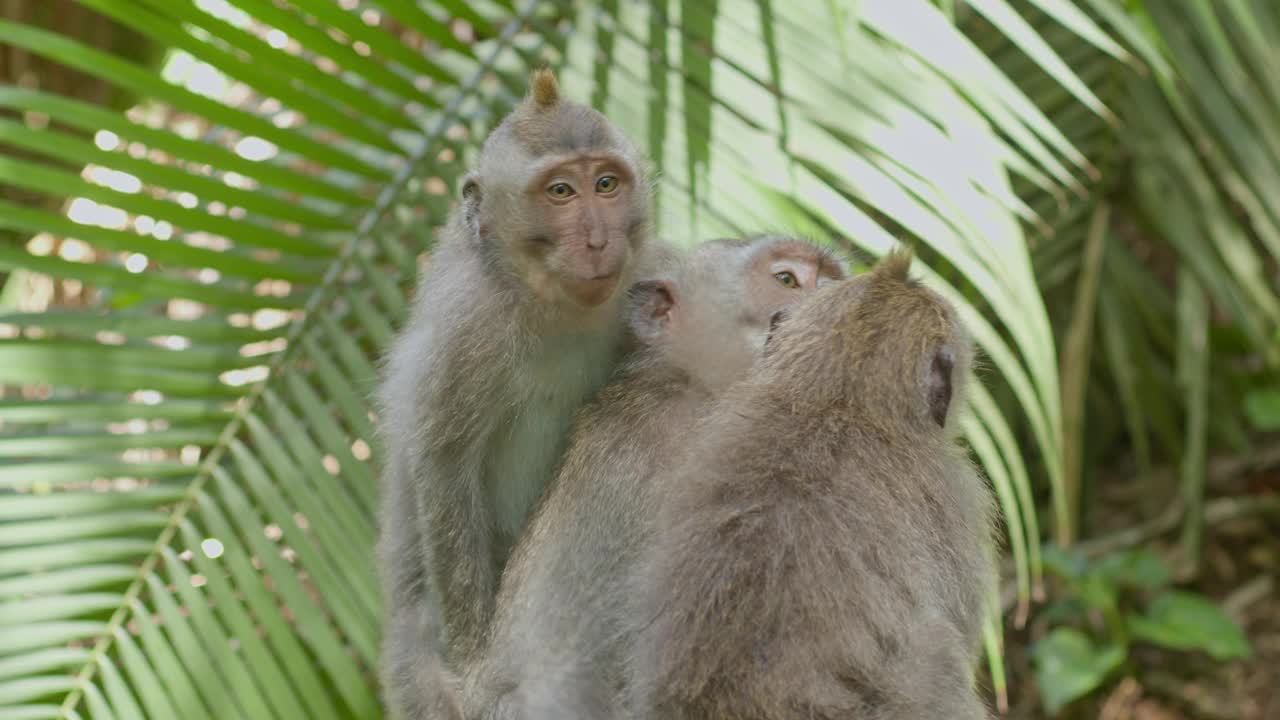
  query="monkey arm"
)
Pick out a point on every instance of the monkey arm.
point(413, 679)
point(457, 526)
point(430, 494)
point(455, 518)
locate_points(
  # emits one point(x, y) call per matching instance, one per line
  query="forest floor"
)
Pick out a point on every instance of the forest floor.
point(1240, 571)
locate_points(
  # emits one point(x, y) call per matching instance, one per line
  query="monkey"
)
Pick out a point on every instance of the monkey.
point(516, 323)
point(558, 636)
point(824, 546)
point(437, 691)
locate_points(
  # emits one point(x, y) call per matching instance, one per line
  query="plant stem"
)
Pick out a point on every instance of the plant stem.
point(1193, 379)
point(1075, 376)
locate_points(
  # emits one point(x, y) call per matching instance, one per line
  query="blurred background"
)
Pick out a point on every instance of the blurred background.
point(212, 212)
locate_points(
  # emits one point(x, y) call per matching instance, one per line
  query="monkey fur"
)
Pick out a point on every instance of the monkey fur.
point(825, 548)
point(517, 322)
point(561, 634)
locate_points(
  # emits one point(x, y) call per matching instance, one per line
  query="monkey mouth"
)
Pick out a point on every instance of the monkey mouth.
point(594, 291)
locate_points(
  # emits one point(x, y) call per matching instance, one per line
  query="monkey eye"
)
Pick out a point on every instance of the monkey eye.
point(606, 184)
point(560, 191)
point(787, 278)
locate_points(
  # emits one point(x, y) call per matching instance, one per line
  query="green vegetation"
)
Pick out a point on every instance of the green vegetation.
point(189, 332)
point(1070, 663)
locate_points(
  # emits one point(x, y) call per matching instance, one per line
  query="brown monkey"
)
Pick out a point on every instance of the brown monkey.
point(825, 545)
point(517, 322)
point(560, 632)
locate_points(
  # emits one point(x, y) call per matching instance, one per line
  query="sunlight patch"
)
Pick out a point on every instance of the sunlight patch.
point(256, 149)
point(211, 547)
point(106, 140)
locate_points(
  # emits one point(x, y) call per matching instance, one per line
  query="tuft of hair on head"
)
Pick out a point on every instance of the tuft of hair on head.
point(896, 264)
point(543, 88)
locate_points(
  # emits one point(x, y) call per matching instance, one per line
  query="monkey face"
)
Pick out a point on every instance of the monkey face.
point(558, 204)
point(783, 271)
point(587, 217)
point(714, 319)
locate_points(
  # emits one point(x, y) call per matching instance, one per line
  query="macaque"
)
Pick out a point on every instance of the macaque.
point(439, 695)
point(561, 633)
point(518, 321)
point(823, 548)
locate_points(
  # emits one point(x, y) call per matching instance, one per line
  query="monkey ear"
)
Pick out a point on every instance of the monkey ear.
point(471, 200)
point(939, 384)
point(649, 307)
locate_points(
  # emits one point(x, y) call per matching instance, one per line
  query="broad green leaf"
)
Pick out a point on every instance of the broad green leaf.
point(1069, 563)
point(1141, 568)
point(1262, 406)
point(1069, 665)
point(1187, 621)
point(1100, 593)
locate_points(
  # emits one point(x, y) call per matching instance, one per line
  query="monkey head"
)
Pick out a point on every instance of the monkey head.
point(880, 349)
point(711, 318)
point(558, 200)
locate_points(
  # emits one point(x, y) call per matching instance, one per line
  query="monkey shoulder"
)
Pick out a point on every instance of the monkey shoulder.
point(606, 476)
point(638, 400)
point(619, 441)
point(456, 312)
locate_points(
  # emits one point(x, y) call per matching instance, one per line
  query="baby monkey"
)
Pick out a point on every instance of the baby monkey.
point(824, 548)
point(561, 630)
